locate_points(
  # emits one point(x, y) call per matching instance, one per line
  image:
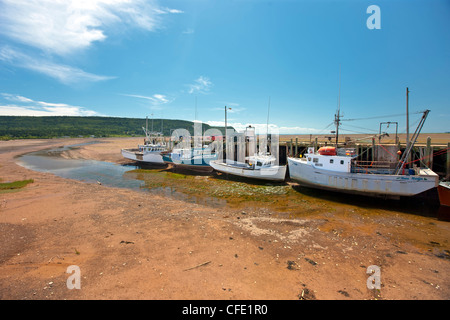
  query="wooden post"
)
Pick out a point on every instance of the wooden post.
point(291, 150)
point(315, 144)
point(373, 149)
point(296, 147)
point(429, 154)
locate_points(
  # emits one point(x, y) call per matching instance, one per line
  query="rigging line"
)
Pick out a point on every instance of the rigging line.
point(386, 150)
point(348, 130)
point(377, 117)
point(321, 131)
point(360, 128)
point(428, 156)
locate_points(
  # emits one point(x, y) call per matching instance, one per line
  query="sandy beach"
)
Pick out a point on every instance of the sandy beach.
point(133, 245)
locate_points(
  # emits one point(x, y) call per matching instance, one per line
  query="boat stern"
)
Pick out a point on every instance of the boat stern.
point(429, 174)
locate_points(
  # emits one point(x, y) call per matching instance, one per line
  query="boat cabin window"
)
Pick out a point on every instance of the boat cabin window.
point(258, 163)
point(342, 161)
point(331, 160)
point(315, 160)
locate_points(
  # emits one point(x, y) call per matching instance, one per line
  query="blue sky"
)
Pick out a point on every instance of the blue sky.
point(188, 59)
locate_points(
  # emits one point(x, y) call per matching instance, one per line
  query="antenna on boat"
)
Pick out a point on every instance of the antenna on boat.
point(267, 127)
point(146, 128)
point(407, 119)
point(337, 116)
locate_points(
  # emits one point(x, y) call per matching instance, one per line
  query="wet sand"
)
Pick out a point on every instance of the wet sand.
point(136, 245)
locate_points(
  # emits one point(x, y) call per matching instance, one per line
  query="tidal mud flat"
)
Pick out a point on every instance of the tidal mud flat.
point(187, 236)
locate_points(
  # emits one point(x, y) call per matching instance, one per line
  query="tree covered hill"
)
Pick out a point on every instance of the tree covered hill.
point(26, 127)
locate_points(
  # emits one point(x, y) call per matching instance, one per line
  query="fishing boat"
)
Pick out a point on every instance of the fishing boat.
point(444, 193)
point(259, 166)
point(337, 169)
point(195, 158)
point(150, 151)
point(147, 153)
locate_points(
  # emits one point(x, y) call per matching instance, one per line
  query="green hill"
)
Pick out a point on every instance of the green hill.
point(24, 127)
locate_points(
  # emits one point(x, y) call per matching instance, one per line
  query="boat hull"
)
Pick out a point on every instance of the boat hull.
point(359, 183)
point(276, 173)
point(444, 194)
point(201, 164)
point(148, 157)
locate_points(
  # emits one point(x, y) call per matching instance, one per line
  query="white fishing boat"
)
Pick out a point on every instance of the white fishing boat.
point(262, 167)
point(150, 151)
point(337, 169)
point(147, 153)
point(259, 165)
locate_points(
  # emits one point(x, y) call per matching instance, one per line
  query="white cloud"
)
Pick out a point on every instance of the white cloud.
point(200, 85)
point(30, 107)
point(18, 98)
point(173, 10)
point(63, 27)
point(63, 73)
point(156, 100)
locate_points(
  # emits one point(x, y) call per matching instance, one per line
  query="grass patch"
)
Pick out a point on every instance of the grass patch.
point(15, 184)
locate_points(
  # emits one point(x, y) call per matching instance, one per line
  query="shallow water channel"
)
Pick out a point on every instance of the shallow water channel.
point(215, 189)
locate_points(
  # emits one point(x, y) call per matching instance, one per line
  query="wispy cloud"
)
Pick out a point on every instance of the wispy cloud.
point(201, 85)
point(23, 106)
point(156, 101)
point(188, 31)
point(63, 73)
point(168, 10)
point(64, 27)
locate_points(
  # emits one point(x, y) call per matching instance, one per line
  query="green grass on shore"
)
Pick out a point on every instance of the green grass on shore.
point(15, 184)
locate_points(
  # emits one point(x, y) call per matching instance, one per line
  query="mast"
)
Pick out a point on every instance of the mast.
point(337, 116)
point(225, 159)
point(146, 128)
point(407, 119)
point(267, 127)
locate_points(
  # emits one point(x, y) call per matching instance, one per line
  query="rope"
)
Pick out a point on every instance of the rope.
point(386, 150)
point(438, 153)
